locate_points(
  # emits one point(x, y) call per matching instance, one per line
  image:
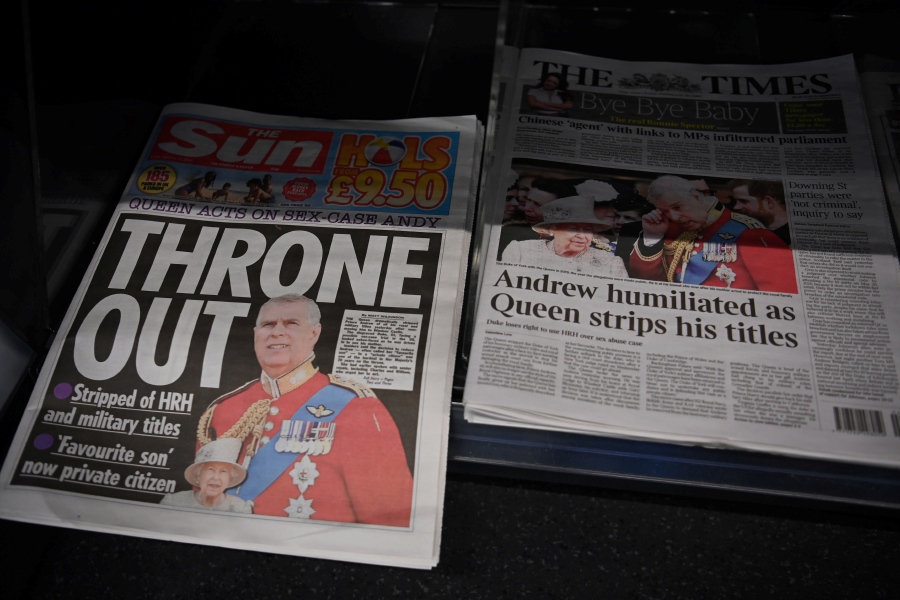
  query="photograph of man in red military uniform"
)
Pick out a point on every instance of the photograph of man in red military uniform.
point(315, 446)
point(691, 238)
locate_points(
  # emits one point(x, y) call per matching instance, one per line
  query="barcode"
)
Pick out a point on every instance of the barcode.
point(857, 420)
point(895, 423)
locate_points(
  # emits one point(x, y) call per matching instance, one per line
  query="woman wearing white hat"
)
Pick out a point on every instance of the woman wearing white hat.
point(214, 470)
point(571, 224)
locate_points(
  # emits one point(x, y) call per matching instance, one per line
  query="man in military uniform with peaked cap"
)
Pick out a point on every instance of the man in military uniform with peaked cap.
point(314, 446)
point(691, 238)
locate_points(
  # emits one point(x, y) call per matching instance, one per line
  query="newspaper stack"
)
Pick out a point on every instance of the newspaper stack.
point(261, 353)
point(691, 253)
point(881, 91)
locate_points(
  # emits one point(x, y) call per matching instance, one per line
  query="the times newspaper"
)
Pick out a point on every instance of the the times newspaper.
point(261, 353)
point(692, 253)
point(881, 90)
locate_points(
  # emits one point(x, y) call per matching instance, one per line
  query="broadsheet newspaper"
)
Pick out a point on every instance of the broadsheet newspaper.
point(690, 253)
point(881, 89)
point(261, 354)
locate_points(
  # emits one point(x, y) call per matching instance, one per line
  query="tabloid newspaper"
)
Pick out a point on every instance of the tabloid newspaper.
point(261, 353)
point(690, 253)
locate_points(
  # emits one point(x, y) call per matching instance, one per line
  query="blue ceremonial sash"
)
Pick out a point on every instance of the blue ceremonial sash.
point(267, 465)
point(698, 269)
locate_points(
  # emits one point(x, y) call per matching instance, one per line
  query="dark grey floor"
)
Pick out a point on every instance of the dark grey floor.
point(503, 539)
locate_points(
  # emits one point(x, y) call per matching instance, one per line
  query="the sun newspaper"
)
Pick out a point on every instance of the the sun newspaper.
point(261, 353)
point(691, 253)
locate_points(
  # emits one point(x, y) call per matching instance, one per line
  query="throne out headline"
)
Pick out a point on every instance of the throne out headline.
point(377, 267)
point(752, 322)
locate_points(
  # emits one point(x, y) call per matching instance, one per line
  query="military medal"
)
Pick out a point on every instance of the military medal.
point(719, 252)
point(304, 473)
point(726, 274)
point(299, 436)
point(283, 442)
point(320, 438)
point(300, 508)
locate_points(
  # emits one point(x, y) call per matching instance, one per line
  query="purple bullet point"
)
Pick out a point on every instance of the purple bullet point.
point(43, 441)
point(62, 390)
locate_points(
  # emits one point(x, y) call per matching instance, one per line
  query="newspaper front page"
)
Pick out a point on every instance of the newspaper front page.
point(691, 253)
point(261, 353)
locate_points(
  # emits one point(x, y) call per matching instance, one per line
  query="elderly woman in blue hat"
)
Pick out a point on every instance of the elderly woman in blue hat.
point(215, 469)
point(567, 231)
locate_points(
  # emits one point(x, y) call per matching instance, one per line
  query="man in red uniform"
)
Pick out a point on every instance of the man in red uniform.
point(691, 238)
point(314, 446)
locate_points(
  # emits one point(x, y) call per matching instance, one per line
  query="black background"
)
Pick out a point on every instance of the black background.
point(576, 533)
